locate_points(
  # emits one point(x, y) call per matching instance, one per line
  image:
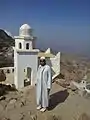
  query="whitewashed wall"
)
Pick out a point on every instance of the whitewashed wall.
point(55, 63)
point(25, 59)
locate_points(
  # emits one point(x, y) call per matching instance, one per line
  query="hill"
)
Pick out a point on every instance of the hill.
point(73, 67)
point(6, 51)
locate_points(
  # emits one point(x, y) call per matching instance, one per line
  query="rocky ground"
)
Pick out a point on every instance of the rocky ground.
point(64, 105)
point(6, 50)
point(73, 68)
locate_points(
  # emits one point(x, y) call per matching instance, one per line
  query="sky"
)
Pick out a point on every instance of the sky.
point(63, 25)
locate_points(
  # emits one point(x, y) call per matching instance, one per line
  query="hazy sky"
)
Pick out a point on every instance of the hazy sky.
point(63, 25)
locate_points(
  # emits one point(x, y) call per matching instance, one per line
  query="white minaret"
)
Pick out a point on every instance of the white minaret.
point(25, 56)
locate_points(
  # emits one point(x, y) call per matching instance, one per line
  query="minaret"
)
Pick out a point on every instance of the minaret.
point(25, 56)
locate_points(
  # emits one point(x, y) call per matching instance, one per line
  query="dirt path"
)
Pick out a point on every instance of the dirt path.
point(22, 105)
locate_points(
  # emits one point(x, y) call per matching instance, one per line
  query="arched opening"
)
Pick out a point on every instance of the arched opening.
point(20, 46)
point(8, 71)
point(12, 70)
point(27, 73)
point(27, 45)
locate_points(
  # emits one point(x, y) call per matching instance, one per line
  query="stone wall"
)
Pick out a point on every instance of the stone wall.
point(7, 69)
point(54, 63)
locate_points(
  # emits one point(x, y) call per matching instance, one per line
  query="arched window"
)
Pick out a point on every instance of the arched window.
point(8, 71)
point(13, 70)
point(27, 45)
point(20, 46)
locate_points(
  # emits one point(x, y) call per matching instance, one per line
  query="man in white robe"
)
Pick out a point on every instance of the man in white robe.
point(43, 86)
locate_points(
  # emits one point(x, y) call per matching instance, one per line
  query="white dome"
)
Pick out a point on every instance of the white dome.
point(25, 26)
point(25, 30)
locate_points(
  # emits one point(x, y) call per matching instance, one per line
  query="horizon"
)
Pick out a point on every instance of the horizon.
point(61, 25)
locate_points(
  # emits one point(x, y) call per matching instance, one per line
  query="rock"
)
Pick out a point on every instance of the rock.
point(63, 83)
point(2, 76)
point(2, 98)
point(12, 101)
point(6, 118)
point(82, 93)
point(34, 117)
point(2, 91)
point(12, 95)
point(21, 117)
point(8, 87)
point(4, 104)
point(11, 104)
point(87, 95)
point(29, 112)
point(73, 87)
point(23, 102)
point(20, 103)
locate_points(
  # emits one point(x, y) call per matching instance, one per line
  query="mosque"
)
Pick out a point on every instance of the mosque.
point(26, 58)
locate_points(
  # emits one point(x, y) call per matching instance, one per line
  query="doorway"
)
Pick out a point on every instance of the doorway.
point(27, 73)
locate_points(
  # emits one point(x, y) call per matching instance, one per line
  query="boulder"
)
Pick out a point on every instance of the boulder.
point(2, 76)
point(73, 87)
point(2, 91)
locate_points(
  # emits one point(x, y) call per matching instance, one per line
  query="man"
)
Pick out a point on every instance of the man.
point(43, 86)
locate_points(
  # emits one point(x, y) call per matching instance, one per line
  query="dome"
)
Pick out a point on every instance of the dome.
point(25, 26)
point(25, 30)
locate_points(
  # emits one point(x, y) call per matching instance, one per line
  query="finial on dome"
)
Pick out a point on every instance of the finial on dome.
point(25, 30)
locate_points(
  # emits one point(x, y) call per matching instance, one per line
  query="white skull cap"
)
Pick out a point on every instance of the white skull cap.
point(42, 58)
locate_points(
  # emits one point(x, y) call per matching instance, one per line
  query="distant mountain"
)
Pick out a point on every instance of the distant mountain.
point(5, 39)
point(8, 33)
point(6, 50)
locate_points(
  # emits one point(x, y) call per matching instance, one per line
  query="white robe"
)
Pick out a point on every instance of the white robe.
point(44, 82)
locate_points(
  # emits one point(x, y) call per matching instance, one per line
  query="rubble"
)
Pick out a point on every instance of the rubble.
point(83, 90)
point(63, 82)
point(2, 98)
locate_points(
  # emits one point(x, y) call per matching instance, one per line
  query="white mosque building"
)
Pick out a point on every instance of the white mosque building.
point(26, 58)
